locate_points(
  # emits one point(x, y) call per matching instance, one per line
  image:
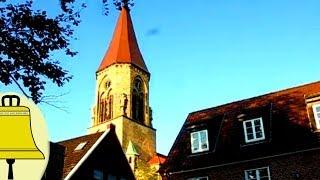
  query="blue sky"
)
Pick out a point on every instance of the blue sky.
point(200, 54)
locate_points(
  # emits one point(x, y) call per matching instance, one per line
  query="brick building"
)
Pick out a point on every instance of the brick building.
point(273, 136)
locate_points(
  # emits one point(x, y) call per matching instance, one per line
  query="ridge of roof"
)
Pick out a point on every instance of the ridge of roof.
point(123, 47)
point(255, 97)
point(79, 137)
point(159, 154)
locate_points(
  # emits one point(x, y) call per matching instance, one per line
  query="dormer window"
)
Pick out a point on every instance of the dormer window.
point(316, 113)
point(253, 130)
point(313, 109)
point(199, 141)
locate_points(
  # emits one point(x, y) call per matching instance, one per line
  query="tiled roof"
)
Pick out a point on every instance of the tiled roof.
point(279, 97)
point(72, 157)
point(157, 159)
point(286, 123)
point(124, 46)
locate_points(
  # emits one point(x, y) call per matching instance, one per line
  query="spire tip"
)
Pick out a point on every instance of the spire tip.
point(127, 4)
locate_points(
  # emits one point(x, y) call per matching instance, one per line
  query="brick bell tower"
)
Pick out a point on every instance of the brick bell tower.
point(122, 92)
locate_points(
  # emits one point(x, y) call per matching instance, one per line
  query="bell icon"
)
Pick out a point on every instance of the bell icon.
point(16, 139)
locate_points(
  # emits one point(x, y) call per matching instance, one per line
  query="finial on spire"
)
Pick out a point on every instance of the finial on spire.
point(123, 4)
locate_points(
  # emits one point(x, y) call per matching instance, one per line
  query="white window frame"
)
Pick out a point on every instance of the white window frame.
point(199, 149)
point(253, 130)
point(257, 173)
point(315, 115)
point(199, 178)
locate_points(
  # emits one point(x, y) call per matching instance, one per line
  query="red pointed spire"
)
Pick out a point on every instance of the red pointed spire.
point(124, 46)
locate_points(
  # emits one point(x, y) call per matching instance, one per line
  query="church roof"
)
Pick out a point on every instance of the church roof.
point(124, 46)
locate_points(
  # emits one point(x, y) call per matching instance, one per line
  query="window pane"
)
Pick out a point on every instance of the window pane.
point(249, 130)
point(259, 135)
point(97, 175)
point(204, 139)
point(258, 128)
point(195, 141)
point(257, 122)
point(195, 145)
point(248, 124)
point(194, 135)
point(250, 136)
point(263, 172)
point(204, 146)
point(203, 136)
point(318, 109)
point(251, 175)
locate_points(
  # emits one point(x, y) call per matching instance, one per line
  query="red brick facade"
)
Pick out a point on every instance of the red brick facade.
point(300, 165)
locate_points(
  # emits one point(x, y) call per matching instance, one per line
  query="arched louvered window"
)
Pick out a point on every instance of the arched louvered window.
point(102, 107)
point(138, 100)
point(105, 107)
point(109, 106)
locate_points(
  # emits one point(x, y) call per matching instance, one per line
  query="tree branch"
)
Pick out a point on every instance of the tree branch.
point(17, 83)
point(61, 108)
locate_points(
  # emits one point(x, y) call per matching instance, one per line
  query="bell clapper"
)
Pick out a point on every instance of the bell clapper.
point(10, 172)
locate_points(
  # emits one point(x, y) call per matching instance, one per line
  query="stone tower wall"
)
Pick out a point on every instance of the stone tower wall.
point(121, 77)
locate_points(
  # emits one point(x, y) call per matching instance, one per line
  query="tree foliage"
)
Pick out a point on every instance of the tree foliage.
point(146, 172)
point(28, 37)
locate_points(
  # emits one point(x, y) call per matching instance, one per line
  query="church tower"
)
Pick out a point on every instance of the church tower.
point(122, 92)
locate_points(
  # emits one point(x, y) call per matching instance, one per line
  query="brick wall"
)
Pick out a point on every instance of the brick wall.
point(302, 165)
